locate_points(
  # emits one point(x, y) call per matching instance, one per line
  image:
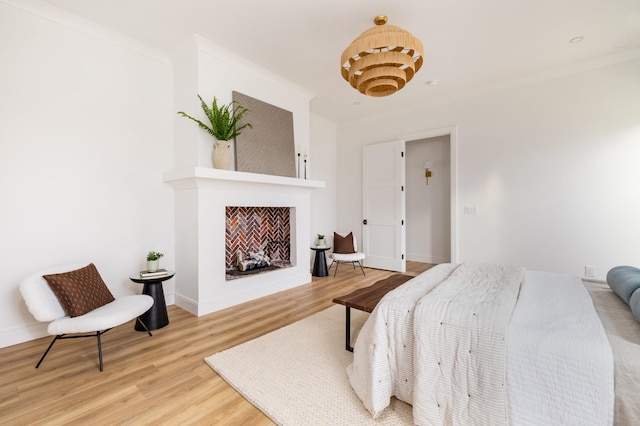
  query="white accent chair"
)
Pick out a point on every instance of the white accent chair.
point(352, 258)
point(45, 307)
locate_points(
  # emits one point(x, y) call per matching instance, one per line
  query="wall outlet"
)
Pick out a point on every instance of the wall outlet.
point(590, 271)
point(471, 210)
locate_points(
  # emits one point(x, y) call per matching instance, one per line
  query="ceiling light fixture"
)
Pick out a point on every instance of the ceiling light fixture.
point(576, 40)
point(382, 59)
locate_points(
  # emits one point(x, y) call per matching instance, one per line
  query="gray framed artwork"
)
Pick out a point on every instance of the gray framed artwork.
point(268, 146)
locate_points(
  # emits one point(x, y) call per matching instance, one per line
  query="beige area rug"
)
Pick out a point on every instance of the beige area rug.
point(297, 375)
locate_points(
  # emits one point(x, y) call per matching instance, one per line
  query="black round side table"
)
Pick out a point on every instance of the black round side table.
point(320, 263)
point(156, 317)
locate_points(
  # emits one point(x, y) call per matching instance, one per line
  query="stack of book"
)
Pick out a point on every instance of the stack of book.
point(154, 274)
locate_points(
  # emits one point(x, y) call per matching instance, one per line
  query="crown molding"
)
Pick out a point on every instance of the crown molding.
point(216, 51)
point(90, 28)
point(461, 94)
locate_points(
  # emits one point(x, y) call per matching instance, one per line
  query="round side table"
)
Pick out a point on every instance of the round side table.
point(320, 263)
point(156, 317)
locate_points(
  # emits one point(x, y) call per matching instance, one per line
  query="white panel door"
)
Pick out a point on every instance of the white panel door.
point(383, 230)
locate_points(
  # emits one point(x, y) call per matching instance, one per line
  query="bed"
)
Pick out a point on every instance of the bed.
point(493, 344)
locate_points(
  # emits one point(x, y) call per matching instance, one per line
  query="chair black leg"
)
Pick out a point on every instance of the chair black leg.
point(99, 349)
point(97, 335)
point(48, 349)
point(336, 271)
point(361, 268)
point(144, 326)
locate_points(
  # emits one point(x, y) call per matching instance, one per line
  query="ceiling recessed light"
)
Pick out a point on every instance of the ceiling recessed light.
point(356, 103)
point(575, 40)
point(431, 82)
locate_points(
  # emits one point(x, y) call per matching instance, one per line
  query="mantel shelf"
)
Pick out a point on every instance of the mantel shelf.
point(212, 175)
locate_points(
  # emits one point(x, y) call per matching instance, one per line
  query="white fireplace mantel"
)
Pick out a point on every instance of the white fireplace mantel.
point(187, 177)
point(201, 197)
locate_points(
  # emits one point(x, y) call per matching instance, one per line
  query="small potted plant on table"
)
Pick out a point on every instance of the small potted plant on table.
point(153, 260)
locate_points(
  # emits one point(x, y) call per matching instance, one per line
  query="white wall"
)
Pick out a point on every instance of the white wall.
point(323, 165)
point(428, 206)
point(204, 68)
point(87, 132)
point(87, 123)
point(552, 168)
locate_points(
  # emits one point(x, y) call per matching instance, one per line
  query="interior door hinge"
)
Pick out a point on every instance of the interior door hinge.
point(402, 221)
point(402, 188)
point(402, 154)
point(403, 257)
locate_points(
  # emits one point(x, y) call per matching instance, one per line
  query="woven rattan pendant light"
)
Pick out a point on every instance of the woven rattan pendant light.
point(382, 59)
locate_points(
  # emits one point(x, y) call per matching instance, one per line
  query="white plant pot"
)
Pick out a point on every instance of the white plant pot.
point(153, 265)
point(222, 155)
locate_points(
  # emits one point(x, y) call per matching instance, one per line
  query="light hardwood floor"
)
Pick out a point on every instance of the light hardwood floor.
point(161, 379)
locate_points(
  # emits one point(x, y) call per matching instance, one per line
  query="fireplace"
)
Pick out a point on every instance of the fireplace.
point(202, 199)
point(257, 239)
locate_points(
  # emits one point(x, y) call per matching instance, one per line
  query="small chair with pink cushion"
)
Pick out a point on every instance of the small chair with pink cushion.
point(345, 249)
point(77, 303)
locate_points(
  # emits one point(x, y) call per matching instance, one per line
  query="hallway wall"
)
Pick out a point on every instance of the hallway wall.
point(428, 207)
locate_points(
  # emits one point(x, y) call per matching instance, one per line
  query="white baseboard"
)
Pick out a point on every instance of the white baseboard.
point(186, 303)
point(21, 334)
point(255, 292)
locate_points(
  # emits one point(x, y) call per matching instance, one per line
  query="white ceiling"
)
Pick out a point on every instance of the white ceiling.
point(470, 45)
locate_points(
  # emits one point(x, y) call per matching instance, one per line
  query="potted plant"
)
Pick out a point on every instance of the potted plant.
point(223, 126)
point(153, 260)
point(320, 240)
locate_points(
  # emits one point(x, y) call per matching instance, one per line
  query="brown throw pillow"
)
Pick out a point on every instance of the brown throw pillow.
point(80, 291)
point(342, 244)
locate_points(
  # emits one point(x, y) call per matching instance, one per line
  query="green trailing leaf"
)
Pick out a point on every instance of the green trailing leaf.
point(223, 120)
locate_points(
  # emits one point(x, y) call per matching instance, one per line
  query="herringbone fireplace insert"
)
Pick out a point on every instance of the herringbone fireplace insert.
point(257, 233)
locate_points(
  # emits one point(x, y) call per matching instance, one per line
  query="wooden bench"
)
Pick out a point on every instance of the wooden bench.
point(365, 299)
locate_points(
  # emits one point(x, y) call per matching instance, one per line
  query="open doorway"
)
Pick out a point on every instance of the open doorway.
point(428, 199)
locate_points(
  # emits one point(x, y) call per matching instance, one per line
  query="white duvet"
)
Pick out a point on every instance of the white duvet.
point(558, 369)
